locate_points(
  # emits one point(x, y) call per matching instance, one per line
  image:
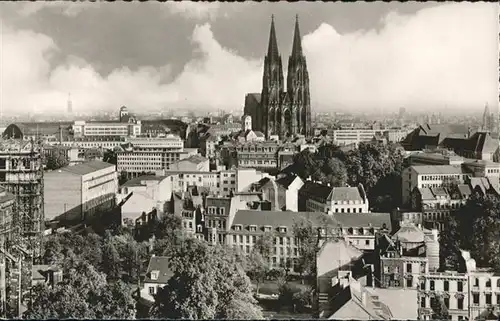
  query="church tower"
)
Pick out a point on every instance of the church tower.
point(298, 89)
point(269, 114)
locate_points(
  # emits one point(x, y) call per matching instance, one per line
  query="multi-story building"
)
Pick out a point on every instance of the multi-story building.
point(443, 157)
point(21, 173)
point(142, 195)
point(469, 294)
point(361, 229)
point(191, 164)
point(261, 155)
point(407, 255)
point(283, 193)
point(343, 137)
point(7, 200)
point(429, 176)
point(315, 196)
point(82, 128)
point(150, 154)
point(76, 193)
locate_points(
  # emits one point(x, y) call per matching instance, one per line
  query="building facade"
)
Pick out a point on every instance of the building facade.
point(281, 112)
point(76, 193)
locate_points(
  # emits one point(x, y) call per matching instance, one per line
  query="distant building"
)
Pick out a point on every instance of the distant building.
point(75, 193)
point(260, 155)
point(361, 229)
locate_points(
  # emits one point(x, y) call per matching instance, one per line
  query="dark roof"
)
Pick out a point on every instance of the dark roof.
point(38, 128)
point(363, 219)
point(136, 181)
point(256, 96)
point(278, 218)
point(286, 181)
point(160, 264)
point(87, 168)
point(316, 189)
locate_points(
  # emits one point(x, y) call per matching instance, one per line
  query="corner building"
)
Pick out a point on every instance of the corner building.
point(276, 111)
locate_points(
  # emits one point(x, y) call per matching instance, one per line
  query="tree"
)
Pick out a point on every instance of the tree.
point(336, 172)
point(256, 268)
point(123, 178)
point(439, 309)
point(478, 233)
point(308, 240)
point(111, 263)
point(110, 157)
point(57, 159)
point(83, 294)
point(207, 283)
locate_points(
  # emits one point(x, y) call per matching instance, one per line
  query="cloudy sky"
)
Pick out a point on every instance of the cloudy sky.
point(153, 56)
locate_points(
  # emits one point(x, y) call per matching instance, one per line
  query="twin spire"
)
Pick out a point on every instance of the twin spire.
point(272, 50)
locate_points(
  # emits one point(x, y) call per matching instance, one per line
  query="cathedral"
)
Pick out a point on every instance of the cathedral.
point(276, 111)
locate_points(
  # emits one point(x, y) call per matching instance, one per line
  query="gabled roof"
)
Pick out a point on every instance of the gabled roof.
point(409, 233)
point(426, 194)
point(160, 264)
point(286, 181)
point(346, 194)
point(316, 189)
point(334, 254)
point(87, 168)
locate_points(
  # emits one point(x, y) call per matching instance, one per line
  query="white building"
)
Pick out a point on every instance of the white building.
point(122, 129)
point(74, 193)
point(157, 276)
point(148, 193)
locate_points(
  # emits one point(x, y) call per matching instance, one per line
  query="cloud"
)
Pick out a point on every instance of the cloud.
point(441, 56)
point(194, 10)
point(67, 8)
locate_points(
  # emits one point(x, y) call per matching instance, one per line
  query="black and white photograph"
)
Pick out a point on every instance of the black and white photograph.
point(249, 160)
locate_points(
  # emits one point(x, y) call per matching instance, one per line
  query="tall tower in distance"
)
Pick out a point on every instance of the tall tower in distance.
point(69, 107)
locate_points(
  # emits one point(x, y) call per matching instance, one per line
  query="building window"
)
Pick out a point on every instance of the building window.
point(447, 302)
point(460, 286)
point(488, 283)
point(460, 303)
point(367, 242)
point(408, 268)
point(488, 298)
point(475, 298)
point(432, 285)
point(409, 282)
point(422, 302)
point(151, 290)
point(476, 282)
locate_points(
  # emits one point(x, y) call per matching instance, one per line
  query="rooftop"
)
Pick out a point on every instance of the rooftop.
point(137, 181)
point(87, 168)
point(160, 264)
point(437, 169)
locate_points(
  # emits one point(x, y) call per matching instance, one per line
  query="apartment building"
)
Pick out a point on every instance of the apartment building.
point(192, 163)
point(75, 193)
point(82, 128)
point(343, 137)
point(361, 229)
point(314, 196)
point(405, 256)
point(470, 294)
point(260, 155)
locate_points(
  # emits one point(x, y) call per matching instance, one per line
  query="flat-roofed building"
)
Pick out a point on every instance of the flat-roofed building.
point(75, 193)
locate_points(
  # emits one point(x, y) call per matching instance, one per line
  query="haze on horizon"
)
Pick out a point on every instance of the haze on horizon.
point(207, 56)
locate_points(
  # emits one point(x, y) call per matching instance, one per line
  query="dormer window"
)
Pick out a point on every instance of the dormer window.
point(282, 229)
point(155, 274)
point(237, 227)
point(361, 231)
point(267, 228)
point(252, 228)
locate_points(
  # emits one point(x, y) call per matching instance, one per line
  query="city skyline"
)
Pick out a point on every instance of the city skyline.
point(360, 56)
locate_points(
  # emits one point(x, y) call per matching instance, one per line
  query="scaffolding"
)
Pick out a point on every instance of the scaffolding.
point(21, 162)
